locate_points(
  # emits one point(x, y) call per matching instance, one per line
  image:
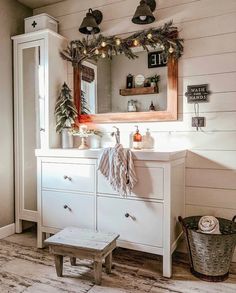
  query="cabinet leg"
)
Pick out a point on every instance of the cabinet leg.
point(108, 263)
point(167, 265)
point(19, 226)
point(41, 236)
point(73, 261)
point(59, 264)
point(98, 272)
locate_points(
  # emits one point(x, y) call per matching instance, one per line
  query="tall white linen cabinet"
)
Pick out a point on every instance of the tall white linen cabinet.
point(39, 73)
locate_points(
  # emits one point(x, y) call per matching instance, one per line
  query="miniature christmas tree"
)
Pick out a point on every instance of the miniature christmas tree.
point(84, 104)
point(65, 110)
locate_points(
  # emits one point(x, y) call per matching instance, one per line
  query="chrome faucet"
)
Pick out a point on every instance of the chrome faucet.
point(116, 133)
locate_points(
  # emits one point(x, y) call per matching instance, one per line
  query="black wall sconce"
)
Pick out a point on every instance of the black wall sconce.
point(90, 22)
point(143, 13)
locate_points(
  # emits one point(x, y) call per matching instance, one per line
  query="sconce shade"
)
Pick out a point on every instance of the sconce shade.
point(143, 13)
point(90, 22)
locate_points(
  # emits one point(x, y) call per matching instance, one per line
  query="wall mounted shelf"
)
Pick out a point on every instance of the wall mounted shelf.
point(139, 91)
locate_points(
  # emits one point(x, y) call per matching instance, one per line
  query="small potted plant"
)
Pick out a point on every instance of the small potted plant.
point(65, 114)
point(154, 80)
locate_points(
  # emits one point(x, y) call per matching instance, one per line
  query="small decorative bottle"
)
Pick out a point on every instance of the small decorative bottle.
point(137, 140)
point(152, 107)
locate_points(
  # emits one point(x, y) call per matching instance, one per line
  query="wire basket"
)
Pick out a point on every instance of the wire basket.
point(210, 255)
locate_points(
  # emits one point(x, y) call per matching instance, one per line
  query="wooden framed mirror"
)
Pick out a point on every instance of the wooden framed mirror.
point(140, 116)
point(93, 76)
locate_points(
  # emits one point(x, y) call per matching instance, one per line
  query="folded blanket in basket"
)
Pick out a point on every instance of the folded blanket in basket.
point(209, 225)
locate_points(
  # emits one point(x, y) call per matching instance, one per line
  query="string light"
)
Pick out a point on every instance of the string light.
point(103, 55)
point(162, 47)
point(96, 51)
point(149, 36)
point(136, 42)
point(103, 44)
point(85, 52)
point(171, 50)
point(118, 42)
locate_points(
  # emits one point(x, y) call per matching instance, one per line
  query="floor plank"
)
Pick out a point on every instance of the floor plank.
point(24, 268)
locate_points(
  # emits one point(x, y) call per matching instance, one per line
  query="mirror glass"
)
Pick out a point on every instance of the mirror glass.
point(30, 86)
point(104, 84)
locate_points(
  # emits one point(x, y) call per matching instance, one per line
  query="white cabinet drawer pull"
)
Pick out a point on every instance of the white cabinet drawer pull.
point(67, 177)
point(127, 215)
point(67, 207)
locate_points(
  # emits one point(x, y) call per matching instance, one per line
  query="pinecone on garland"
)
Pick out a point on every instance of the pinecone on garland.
point(65, 110)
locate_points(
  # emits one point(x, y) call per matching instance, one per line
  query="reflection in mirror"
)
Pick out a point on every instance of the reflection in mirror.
point(104, 85)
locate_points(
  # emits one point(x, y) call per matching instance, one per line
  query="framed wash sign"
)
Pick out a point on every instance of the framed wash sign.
point(197, 93)
point(156, 59)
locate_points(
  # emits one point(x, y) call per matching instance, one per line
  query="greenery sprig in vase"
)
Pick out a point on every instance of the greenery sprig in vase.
point(65, 114)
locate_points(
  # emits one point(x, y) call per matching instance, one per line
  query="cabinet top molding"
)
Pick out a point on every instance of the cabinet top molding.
point(143, 155)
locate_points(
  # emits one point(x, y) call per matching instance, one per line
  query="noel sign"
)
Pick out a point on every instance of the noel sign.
point(156, 59)
point(197, 93)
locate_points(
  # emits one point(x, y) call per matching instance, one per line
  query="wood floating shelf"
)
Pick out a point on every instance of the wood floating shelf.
point(139, 91)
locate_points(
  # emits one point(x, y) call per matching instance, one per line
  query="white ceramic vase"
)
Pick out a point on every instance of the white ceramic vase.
point(66, 139)
point(95, 141)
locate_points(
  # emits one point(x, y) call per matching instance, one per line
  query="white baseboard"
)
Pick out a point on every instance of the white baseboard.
point(7, 230)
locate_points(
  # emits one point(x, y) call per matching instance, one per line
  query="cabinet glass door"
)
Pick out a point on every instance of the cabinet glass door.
point(31, 119)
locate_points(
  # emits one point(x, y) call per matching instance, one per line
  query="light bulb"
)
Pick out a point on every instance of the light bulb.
point(103, 44)
point(96, 51)
point(118, 42)
point(142, 17)
point(103, 55)
point(136, 42)
point(162, 47)
point(171, 50)
point(89, 28)
point(149, 36)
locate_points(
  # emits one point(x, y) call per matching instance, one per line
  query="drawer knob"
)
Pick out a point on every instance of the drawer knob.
point(127, 215)
point(67, 207)
point(67, 177)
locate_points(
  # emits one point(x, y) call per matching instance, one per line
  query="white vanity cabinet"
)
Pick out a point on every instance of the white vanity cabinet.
point(72, 192)
point(39, 73)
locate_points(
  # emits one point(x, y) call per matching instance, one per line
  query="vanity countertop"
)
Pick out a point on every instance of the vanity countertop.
point(145, 155)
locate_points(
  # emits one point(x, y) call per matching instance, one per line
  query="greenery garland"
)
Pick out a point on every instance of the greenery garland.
point(165, 37)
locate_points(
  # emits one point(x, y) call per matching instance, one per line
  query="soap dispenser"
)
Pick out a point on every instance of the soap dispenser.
point(137, 139)
point(148, 140)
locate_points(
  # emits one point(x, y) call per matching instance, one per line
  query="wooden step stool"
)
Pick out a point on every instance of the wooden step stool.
point(82, 243)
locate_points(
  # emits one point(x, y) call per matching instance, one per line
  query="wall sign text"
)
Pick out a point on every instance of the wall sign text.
point(197, 93)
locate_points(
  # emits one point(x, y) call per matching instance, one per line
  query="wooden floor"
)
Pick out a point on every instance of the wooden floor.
point(24, 268)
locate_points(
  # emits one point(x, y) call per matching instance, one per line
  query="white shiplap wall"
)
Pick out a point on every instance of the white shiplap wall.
point(209, 30)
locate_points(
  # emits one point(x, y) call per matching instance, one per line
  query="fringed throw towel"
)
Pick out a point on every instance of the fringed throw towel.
point(116, 164)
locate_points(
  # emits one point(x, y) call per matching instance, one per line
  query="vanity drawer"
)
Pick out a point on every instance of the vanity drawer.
point(135, 221)
point(150, 183)
point(68, 176)
point(61, 209)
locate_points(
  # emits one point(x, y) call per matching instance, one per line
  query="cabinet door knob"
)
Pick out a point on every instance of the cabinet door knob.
point(42, 129)
point(127, 215)
point(67, 177)
point(67, 207)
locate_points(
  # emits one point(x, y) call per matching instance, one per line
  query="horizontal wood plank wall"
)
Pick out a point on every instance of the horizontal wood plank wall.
point(209, 30)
